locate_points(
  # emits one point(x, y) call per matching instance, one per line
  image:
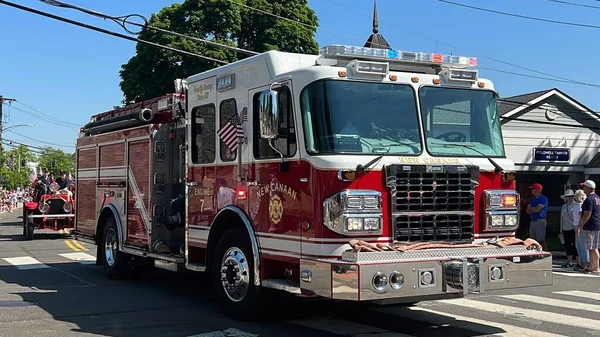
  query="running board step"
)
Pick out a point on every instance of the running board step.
point(168, 265)
point(196, 267)
point(288, 286)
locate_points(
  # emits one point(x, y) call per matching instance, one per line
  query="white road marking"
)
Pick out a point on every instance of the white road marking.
point(82, 258)
point(342, 327)
point(544, 316)
point(473, 324)
point(25, 263)
point(554, 302)
point(578, 293)
point(226, 333)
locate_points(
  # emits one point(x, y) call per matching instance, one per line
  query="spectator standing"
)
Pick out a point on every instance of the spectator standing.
point(569, 219)
point(584, 254)
point(537, 209)
point(589, 225)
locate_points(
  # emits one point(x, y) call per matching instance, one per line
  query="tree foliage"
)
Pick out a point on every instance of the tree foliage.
point(56, 160)
point(13, 172)
point(151, 72)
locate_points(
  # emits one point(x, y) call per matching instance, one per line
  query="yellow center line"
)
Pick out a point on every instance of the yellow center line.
point(70, 245)
point(78, 245)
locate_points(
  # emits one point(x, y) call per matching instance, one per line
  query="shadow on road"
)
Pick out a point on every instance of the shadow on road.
point(182, 304)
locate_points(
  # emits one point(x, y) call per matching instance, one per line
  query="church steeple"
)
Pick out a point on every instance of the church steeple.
point(376, 40)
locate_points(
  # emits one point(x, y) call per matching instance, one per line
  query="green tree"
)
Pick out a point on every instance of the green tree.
point(18, 173)
point(56, 160)
point(151, 72)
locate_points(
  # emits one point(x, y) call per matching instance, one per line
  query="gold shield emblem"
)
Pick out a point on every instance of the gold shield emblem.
point(275, 209)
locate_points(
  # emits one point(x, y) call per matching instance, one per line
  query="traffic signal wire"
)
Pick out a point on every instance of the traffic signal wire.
point(108, 32)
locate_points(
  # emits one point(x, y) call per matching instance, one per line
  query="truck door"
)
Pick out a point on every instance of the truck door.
point(201, 161)
point(274, 192)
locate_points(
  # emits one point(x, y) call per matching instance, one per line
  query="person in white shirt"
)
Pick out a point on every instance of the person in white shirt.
point(569, 219)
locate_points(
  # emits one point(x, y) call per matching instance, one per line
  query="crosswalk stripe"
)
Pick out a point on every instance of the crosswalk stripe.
point(474, 324)
point(344, 328)
point(578, 293)
point(25, 263)
point(225, 333)
point(554, 302)
point(544, 316)
point(80, 257)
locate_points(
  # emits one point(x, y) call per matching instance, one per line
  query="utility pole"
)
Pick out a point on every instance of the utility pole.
point(2, 100)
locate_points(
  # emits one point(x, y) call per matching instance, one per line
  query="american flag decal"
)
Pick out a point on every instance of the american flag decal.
point(244, 115)
point(231, 132)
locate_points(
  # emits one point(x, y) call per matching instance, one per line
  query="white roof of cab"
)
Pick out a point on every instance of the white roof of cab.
point(276, 62)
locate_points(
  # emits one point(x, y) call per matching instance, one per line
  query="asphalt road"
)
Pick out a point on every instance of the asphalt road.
point(51, 287)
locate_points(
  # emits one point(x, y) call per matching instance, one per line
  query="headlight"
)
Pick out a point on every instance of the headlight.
point(502, 210)
point(354, 212)
point(54, 187)
point(68, 207)
point(43, 207)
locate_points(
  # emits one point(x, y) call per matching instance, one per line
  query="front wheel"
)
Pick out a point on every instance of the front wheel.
point(114, 261)
point(27, 227)
point(232, 276)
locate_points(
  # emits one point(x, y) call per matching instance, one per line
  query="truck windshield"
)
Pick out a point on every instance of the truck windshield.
point(360, 117)
point(461, 122)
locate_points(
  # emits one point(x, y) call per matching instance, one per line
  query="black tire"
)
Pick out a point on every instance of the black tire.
point(27, 227)
point(116, 267)
point(246, 306)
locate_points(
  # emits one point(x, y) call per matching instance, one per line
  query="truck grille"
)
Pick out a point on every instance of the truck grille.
point(432, 202)
point(56, 206)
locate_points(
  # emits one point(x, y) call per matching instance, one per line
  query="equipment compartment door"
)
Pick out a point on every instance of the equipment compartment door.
point(85, 191)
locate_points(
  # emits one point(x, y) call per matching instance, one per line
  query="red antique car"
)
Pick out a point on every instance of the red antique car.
point(51, 208)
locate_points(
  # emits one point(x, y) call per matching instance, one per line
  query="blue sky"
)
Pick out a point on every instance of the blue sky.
point(71, 73)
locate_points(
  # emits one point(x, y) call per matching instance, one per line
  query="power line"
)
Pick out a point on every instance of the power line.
point(59, 123)
point(45, 114)
point(41, 141)
point(567, 80)
point(108, 32)
point(575, 4)
point(521, 16)
point(540, 77)
point(123, 20)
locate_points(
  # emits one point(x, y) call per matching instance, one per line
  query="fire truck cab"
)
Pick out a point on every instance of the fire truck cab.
point(359, 174)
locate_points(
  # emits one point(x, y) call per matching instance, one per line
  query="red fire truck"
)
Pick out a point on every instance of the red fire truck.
point(357, 174)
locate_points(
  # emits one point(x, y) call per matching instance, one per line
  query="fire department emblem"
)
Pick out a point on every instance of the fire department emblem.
point(275, 209)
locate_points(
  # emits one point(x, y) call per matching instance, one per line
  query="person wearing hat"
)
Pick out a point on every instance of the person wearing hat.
point(537, 214)
point(569, 219)
point(589, 224)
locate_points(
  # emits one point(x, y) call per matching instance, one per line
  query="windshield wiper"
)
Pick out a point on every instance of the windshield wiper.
point(362, 168)
point(497, 168)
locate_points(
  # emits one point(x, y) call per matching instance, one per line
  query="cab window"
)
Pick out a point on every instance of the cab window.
point(203, 134)
point(286, 141)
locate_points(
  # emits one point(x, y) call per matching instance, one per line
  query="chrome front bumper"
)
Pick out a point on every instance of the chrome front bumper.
point(50, 216)
point(426, 274)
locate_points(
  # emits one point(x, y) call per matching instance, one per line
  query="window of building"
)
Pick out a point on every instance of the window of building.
point(227, 109)
point(203, 134)
point(286, 142)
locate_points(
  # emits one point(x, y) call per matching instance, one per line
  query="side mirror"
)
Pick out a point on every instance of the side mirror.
point(269, 117)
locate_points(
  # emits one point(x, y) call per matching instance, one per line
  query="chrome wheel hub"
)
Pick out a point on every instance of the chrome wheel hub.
point(110, 247)
point(235, 274)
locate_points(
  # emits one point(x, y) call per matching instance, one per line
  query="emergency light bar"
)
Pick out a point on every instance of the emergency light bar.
point(337, 51)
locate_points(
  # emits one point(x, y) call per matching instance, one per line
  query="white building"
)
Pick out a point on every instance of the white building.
point(553, 140)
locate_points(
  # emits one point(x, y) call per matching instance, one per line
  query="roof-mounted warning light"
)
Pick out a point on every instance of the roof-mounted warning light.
point(337, 51)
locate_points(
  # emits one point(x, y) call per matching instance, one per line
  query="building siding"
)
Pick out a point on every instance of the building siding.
point(520, 137)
